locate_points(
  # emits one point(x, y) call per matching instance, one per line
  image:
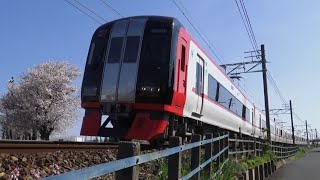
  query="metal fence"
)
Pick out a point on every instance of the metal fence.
point(215, 149)
point(254, 147)
point(283, 152)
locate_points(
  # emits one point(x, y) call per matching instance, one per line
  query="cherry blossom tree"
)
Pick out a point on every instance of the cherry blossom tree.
point(43, 100)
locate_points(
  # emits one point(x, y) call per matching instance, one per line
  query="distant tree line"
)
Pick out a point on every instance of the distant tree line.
point(40, 102)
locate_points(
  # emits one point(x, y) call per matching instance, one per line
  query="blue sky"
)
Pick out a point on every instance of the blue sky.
point(35, 31)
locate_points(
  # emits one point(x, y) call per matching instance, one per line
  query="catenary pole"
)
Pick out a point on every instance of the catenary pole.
point(292, 127)
point(265, 89)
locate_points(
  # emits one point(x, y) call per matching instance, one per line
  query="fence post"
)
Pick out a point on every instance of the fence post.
point(208, 155)
point(226, 141)
point(174, 161)
point(265, 169)
point(128, 149)
point(256, 173)
point(241, 147)
point(261, 173)
point(216, 150)
point(221, 147)
point(255, 146)
point(195, 156)
point(236, 144)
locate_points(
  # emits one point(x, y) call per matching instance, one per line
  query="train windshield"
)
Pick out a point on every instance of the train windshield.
point(154, 62)
point(95, 61)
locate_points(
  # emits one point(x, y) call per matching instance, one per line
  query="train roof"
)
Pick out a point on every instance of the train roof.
point(175, 21)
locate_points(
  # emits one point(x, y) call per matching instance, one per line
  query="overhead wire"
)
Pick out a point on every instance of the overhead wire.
point(246, 27)
point(198, 32)
point(249, 24)
point(96, 14)
point(110, 7)
point(83, 11)
point(204, 35)
point(278, 92)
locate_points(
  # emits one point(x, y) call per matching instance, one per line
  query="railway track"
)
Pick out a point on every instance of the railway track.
point(20, 147)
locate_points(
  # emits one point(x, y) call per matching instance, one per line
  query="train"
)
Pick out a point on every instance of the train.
point(154, 81)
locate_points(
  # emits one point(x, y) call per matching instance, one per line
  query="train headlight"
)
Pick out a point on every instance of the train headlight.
point(150, 90)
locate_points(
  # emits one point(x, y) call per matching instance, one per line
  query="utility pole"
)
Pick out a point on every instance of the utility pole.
point(307, 132)
point(265, 89)
point(292, 127)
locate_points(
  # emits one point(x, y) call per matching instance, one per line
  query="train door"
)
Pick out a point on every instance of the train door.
point(253, 115)
point(199, 84)
point(182, 66)
point(260, 124)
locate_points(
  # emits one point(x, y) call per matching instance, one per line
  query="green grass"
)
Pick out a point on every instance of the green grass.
point(301, 152)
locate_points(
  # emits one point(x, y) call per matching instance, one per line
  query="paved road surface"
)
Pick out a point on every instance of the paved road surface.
point(305, 168)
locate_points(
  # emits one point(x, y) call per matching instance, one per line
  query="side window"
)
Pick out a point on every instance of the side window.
point(236, 106)
point(183, 57)
point(248, 114)
point(260, 121)
point(244, 111)
point(224, 97)
point(212, 88)
point(199, 78)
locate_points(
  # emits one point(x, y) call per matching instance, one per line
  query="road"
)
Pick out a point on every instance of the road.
point(305, 168)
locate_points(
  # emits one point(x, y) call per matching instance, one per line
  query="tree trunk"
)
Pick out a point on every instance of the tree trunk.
point(34, 135)
point(45, 133)
point(44, 136)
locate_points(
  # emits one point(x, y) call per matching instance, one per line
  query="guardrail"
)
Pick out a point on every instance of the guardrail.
point(215, 149)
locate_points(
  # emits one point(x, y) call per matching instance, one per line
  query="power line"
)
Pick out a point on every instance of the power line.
point(109, 6)
point(201, 36)
point(247, 28)
point(96, 14)
point(83, 12)
point(204, 35)
point(249, 24)
point(276, 89)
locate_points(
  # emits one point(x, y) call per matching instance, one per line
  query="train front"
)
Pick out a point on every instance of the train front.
point(129, 77)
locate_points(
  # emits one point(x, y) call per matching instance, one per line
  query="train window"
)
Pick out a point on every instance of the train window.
point(264, 125)
point(248, 118)
point(224, 97)
point(244, 109)
point(183, 57)
point(134, 34)
point(97, 47)
point(199, 78)
point(272, 129)
point(115, 50)
point(154, 63)
point(132, 49)
point(260, 121)
point(212, 87)
point(245, 113)
point(236, 106)
point(117, 34)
